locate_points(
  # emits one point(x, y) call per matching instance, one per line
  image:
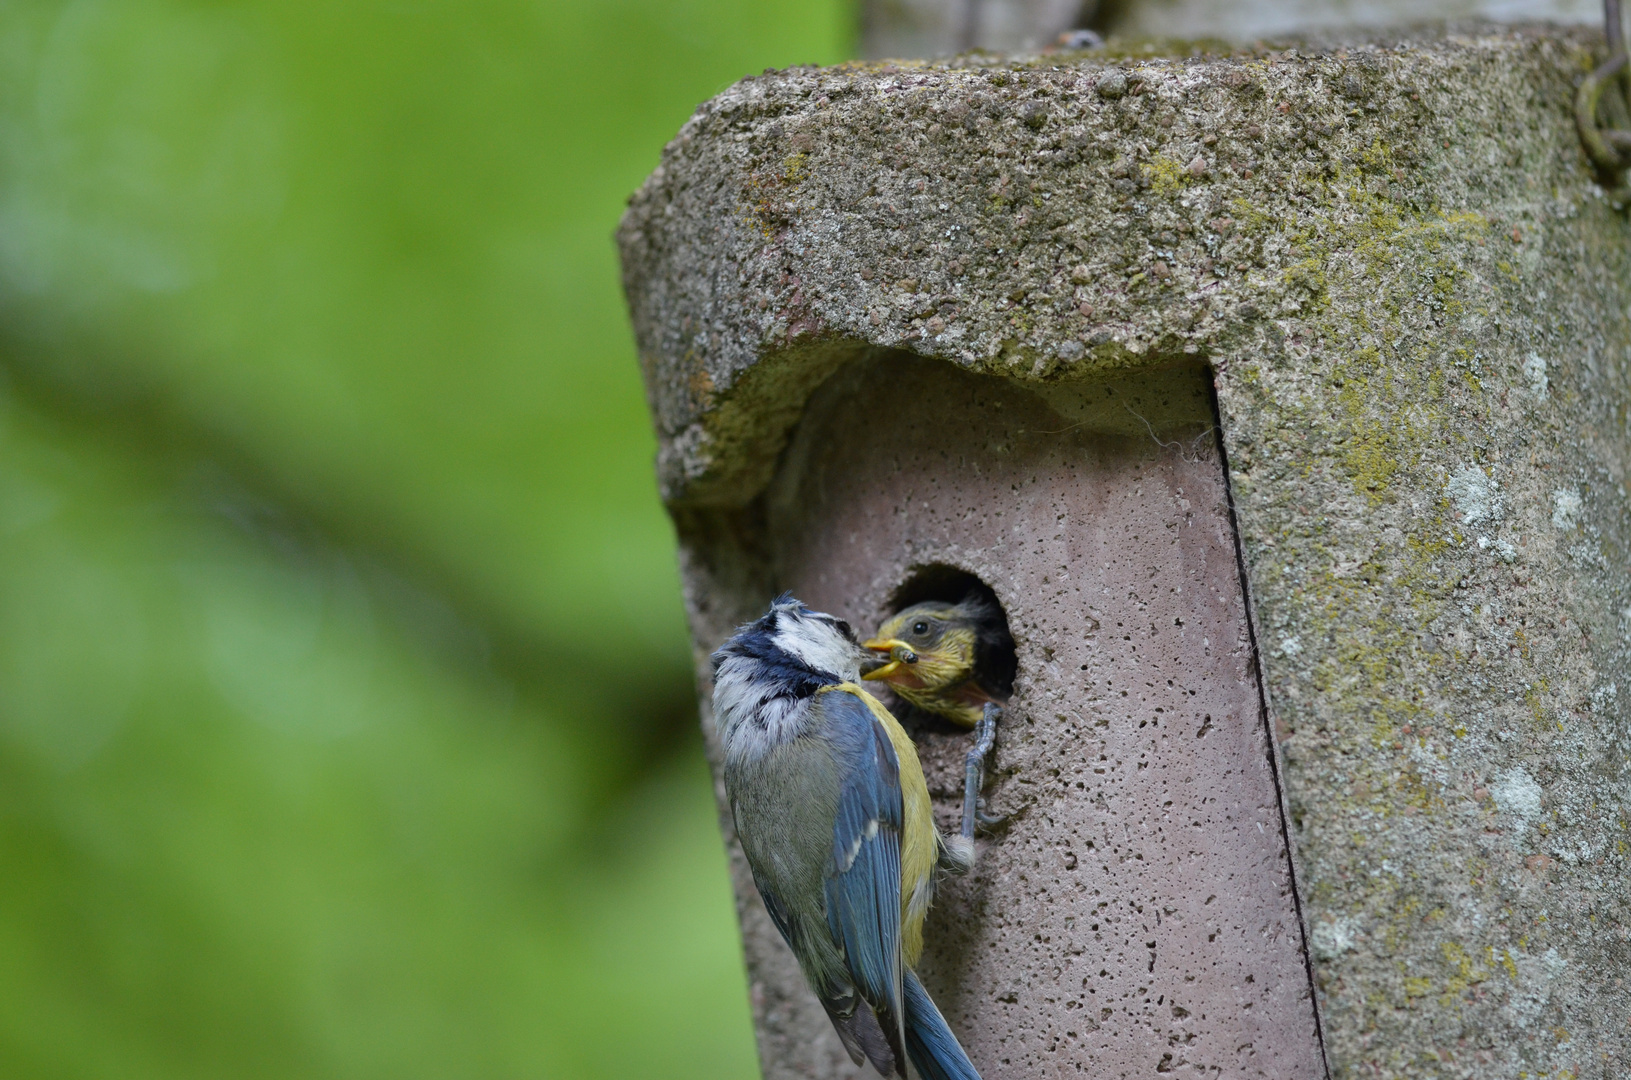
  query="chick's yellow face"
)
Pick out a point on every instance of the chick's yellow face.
point(931, 660)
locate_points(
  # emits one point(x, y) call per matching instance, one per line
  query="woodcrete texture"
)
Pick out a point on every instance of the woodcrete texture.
point(1135, 913)
point(1413, 304)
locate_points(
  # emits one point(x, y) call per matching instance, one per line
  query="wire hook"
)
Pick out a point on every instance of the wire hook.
point(1608, 144)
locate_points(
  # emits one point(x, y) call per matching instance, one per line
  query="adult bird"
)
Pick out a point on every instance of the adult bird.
point(956, 661)
point(833, 815)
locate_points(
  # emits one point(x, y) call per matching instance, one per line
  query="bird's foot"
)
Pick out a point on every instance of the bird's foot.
point(985, 735)
point(990, 820)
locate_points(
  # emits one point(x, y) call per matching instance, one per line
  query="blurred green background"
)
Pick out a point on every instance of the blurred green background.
point(346, 717)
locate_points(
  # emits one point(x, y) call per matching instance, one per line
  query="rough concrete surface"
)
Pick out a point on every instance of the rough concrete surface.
point(1413, 300)
point(1135, 914)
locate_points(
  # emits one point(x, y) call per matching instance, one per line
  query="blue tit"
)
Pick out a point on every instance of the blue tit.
point(833, 815)
point(956, 661)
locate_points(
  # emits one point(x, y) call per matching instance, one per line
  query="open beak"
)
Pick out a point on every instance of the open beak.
point(900, 654)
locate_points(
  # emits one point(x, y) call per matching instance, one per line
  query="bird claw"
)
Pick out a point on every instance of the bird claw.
point(985, 735)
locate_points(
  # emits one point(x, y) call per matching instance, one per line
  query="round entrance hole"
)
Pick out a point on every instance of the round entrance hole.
point(995, 659)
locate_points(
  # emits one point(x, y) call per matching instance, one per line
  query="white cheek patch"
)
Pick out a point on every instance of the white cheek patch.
point(734, 694)
point(820, 646)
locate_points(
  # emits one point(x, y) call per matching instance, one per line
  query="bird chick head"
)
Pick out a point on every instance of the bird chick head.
point(944, 658)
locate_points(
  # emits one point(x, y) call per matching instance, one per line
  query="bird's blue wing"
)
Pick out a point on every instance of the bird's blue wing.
point(863, 886)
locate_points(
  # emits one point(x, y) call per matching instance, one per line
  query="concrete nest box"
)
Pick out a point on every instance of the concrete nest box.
point(1281, 399)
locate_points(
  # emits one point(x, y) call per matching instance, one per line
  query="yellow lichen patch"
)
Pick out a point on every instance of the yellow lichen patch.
point(1390, 417)
point(763, 211)
point(769, 194)
point(1308, 275)
point(1166, 175)
point(1465, 971)
point(794, 166)
point(1376, 157)
point(1532, 698)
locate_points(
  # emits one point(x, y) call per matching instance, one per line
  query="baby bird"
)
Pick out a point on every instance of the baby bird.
point(948, 659)
point(833, 815)
point(956, 661)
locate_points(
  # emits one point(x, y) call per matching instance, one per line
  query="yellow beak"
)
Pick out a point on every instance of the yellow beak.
point(899, 652)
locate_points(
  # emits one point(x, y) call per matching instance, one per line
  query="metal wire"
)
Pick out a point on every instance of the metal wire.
point(1602, 111)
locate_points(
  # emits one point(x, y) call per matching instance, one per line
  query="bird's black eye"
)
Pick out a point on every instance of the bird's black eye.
point(920, 627)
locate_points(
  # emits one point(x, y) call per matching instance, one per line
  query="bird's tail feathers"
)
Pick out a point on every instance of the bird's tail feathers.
point(934, 1050)
point(863, 1036)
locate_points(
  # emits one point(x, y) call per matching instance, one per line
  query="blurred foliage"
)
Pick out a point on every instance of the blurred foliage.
point(346, 723)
